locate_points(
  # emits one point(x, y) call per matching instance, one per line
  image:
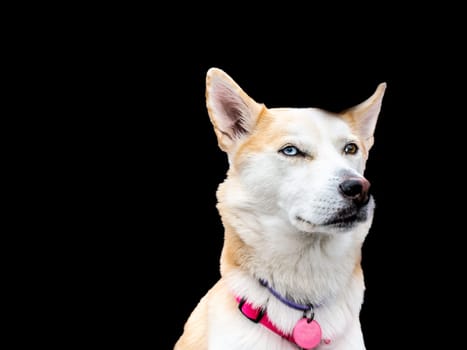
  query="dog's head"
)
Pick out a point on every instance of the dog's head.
point(300, 167)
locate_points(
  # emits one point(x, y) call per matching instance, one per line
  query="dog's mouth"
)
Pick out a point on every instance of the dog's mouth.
point(338, 221)
point(343, 220)
point(348, 217)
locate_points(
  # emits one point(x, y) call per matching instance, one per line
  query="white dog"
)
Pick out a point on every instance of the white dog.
point(296, 210)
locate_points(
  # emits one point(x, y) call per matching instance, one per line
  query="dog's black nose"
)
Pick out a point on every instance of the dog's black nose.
point(356, 188)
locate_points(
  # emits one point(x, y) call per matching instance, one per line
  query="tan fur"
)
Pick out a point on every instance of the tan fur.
point(196, 326)
point(354, 115)
point(265, 131)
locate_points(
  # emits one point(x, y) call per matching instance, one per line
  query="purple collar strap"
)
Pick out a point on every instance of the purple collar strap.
point(290, 303)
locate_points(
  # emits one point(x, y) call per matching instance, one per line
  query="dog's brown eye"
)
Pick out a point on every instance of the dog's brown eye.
point(350, 148)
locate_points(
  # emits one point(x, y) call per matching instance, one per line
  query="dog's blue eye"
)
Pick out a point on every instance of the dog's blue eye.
point(350, 148)
point(290, 151)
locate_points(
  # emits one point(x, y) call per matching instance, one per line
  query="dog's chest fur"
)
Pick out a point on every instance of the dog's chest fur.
point(319, 270)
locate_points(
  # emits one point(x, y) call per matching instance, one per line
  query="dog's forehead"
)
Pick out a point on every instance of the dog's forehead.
point(309, 121)
point(302, 126)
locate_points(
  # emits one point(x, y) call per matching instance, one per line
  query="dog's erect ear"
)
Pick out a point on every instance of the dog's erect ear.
point(363, 116)
point(232, 112)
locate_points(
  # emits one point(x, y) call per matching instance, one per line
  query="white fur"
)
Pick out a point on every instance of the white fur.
point(275, 208)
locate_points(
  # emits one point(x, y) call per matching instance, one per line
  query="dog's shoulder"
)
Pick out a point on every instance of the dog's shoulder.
point(195, 335)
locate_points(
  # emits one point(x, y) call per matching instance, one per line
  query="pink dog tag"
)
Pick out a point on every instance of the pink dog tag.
point(307, 334)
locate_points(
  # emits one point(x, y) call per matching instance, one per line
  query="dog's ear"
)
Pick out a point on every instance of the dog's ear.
point(363, 116)
point(232, 112)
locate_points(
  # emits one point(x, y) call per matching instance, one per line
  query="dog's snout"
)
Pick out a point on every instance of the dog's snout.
point(357, 189)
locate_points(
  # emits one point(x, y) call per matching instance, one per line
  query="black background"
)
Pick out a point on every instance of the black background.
point(161, 165)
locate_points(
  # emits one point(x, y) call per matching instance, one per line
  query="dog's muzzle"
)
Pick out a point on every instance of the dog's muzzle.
point(356, 192)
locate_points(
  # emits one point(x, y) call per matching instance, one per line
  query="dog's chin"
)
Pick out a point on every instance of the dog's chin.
point(344, 220)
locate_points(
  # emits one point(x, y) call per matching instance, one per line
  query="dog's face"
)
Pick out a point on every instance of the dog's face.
point(303, 166)
point(308, 165)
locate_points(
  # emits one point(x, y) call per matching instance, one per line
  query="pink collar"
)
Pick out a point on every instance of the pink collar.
point(307, 332)
point(259, 315)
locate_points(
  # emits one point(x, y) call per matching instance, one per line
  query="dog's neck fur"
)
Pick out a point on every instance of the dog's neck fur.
point(307, 268)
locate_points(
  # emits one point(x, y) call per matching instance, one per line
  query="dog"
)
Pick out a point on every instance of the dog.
point(296, 209)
